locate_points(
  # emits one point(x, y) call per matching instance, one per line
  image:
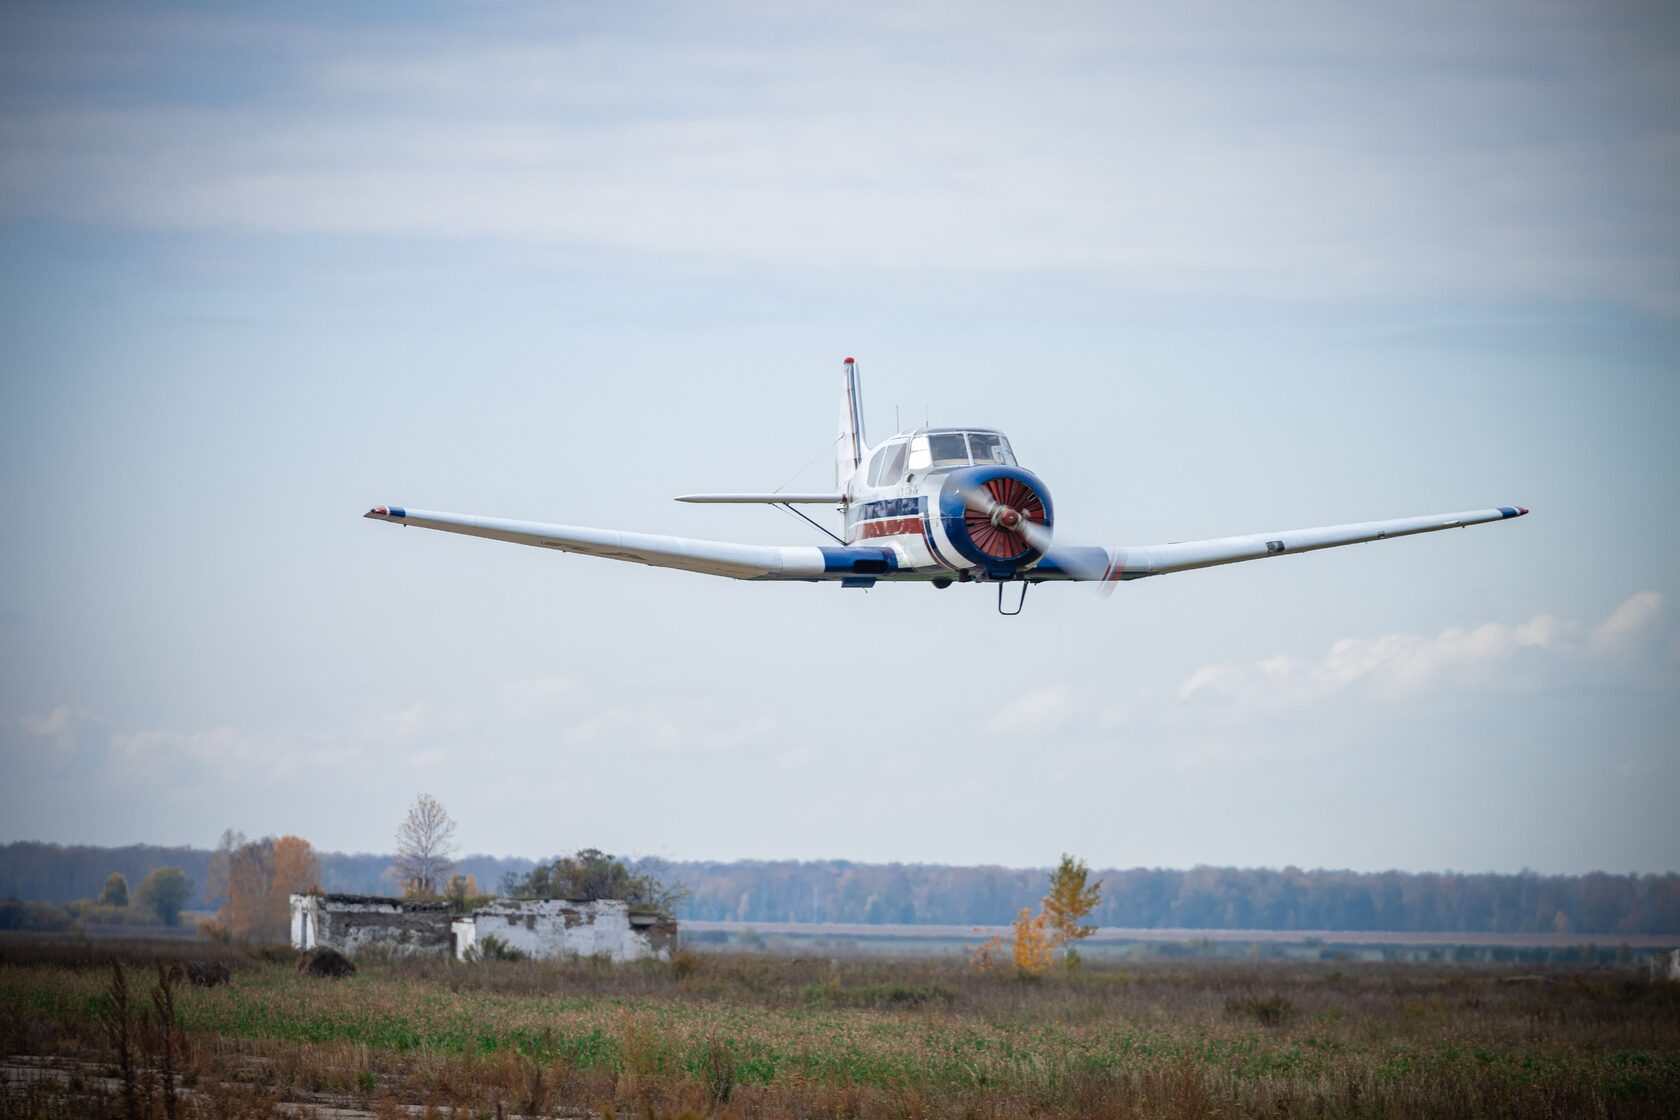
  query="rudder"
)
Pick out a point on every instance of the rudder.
point(851, 446)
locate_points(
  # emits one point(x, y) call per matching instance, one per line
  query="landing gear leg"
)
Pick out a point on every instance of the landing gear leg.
point(1019, 603)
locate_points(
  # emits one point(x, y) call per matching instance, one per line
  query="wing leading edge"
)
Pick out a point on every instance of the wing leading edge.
point(713, 558)
point(1113, 564)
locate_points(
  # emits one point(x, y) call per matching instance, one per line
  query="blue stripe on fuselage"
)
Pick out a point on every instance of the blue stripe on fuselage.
point(887, 507)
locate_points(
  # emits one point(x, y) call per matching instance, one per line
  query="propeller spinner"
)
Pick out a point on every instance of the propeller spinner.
point(1006, 519)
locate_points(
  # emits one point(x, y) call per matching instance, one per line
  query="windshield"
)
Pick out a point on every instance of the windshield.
point(990, 447)
point(948, 448)
point(958, 449)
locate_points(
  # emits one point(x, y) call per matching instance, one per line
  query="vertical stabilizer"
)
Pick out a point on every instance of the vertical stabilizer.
point(850, 448)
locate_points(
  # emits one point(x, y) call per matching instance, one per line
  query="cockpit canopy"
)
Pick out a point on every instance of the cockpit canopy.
point(936, 448)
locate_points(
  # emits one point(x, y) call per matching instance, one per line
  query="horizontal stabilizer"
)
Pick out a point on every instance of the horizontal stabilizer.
point(765, 499)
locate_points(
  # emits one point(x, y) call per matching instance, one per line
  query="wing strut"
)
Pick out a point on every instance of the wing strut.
point(812, 524)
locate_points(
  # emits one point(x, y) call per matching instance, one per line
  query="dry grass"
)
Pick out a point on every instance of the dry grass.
point(760, 1036)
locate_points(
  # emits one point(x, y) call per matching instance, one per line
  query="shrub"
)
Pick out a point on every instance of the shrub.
point(493, 948)
point(1270, 1011)
point(115, 892)
point(329, 963)
point(164, 892)
point(37, 917)
point(718, 1068)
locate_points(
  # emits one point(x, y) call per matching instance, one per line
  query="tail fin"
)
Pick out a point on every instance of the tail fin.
point(850, 447)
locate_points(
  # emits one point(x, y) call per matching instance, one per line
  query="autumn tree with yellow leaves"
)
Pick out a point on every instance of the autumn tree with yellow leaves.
point(255, 880)
point(1070, 901)
point(1057, 926)
point(295, 871)
point(1034, 949)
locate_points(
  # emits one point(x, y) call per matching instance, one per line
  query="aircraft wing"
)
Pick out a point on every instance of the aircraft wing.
point(1114, 564)
point(714, 558)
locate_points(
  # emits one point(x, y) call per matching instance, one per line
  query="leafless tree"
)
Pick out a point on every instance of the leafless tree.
point(425, 847)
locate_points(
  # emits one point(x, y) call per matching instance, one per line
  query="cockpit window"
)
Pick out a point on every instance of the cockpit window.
point(990, 447)
point(893, 473)
point(948, 448)
point(958, 449)
point(876, 461)
point(886, 466)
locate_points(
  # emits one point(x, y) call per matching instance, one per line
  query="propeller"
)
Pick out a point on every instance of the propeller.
point(1007, 519)
point(999, 519)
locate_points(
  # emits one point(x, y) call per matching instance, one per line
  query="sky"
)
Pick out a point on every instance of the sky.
point(1213, 268)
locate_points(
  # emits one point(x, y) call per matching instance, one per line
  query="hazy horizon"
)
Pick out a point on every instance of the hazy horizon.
point(504, 857)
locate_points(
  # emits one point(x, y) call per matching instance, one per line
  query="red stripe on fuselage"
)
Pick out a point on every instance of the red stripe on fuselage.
point(890, 527)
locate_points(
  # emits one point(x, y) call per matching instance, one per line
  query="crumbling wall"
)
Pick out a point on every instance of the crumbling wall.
point(538, 927)
point(562, 927)
point(349, 922)
point(660, 931)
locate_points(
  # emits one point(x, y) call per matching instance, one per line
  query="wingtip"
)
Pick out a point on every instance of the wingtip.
point(1514, 511)
point(385, 513)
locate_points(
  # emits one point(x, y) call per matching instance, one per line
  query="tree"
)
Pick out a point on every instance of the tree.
point(293, 870)
point(1069, 901)
point(255, 879)
point(164, 892)
point(242, 875)
point(1033, 950)
point(592, 874)
point(1037, 938)
point(425, 847)
point(461, 888)
point(986, 956)
point(115, 892)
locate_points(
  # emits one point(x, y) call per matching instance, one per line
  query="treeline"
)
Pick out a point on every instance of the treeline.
point(1200, 898)
point(1138, 898)
point(40, 872)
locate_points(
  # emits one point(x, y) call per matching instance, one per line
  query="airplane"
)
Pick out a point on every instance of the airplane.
point(929, 505)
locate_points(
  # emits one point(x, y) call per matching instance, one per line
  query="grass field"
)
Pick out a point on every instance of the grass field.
point(755, 1035)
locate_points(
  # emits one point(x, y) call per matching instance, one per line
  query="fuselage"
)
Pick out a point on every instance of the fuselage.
point(908, 494)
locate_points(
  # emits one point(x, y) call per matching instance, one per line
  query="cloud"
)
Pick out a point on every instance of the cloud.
point(55, 722)
point(659, 727)
point(1040, 710)
point(59, 725)
point(532, 696)
point(512, 716)
point(1628, 627)
point(220, 751)
point(1397, 668)
point(1176, 151)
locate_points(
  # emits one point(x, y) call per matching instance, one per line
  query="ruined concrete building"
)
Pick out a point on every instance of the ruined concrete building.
point(559, 927)
point(348, 922)
point(537, 927)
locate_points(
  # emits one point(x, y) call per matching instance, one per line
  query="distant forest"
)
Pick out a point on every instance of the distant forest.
point(1139, 898)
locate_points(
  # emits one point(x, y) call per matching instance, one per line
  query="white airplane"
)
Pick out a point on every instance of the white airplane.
point(936, 505)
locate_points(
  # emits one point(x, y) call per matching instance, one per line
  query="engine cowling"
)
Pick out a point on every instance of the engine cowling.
point(988, 539)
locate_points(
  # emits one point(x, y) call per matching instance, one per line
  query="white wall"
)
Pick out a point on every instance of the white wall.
point(557, 927)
